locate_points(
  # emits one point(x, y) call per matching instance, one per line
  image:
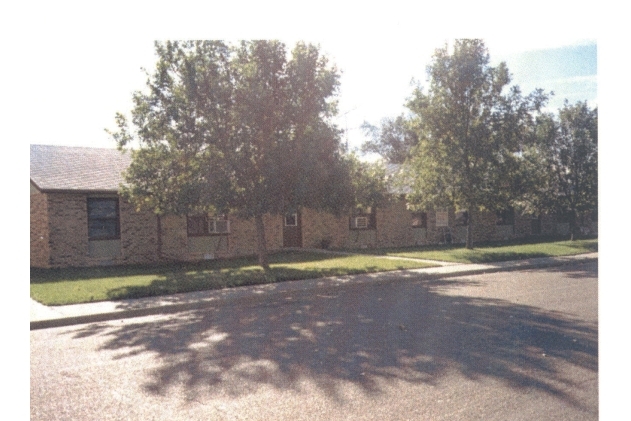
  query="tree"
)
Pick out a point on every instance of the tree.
point(241, 129)
point(471, 129)
point(564, 163)
point(368, 183)
point(393, 140)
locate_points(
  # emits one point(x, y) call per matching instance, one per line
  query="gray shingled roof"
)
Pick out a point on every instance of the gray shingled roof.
point(55, 168)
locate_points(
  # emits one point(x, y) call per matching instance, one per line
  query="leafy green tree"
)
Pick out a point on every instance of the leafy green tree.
point(393, 140)
point(368, 182)
point(471, 128)
point(563, 164)
point(242, 129)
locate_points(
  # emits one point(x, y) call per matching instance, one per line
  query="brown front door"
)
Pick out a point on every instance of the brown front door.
point(292, 230)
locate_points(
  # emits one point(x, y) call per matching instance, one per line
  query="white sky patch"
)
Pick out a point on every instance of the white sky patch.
point(84, 66)
point(82, 62)
point(87, 81)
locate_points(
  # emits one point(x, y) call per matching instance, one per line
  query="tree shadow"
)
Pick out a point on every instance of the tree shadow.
point(51, 275)
point(362, 334)
point(494, 257)
point(578, 271)
point(200, 280)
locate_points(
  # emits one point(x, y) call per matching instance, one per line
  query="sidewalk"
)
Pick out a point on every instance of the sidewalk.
point(45, 317)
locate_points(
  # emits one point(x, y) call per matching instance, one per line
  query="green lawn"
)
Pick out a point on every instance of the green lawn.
point(497, 253)
point(79, 285)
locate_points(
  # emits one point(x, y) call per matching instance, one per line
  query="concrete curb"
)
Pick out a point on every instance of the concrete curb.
point(113, 310)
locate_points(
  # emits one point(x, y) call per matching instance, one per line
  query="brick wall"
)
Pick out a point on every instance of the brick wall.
point(176, 245)
point(174, 237)
point(394, 226)
point(139, 235)
point(523, 226)
point(323, 229)
point(40, 249)
point(548, 224)
point(394, 229)
point(68, 224)
point(59, 233)
point(68, 233)
point(243, 239)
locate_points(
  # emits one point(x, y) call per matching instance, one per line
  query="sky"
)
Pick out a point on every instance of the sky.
point(86, 82)
point(373, 90)
point(81, 63)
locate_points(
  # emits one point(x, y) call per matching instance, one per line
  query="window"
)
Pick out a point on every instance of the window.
point(419, 219)
point(442, 218)
point(505, 217)
point(200, 225)
point(462, 218)
point(291, 220)
point(218, 225)
point(196, 225)
point(103, 219)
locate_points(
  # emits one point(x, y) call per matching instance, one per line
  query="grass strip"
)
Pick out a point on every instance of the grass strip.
point(80, 285)
point(497, 253)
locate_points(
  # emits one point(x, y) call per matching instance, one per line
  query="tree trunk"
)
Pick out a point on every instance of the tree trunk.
point(261, 244)
point(573, 227)
point(469, 244)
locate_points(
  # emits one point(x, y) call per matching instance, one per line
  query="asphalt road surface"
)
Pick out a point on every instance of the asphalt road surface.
point(504, 346)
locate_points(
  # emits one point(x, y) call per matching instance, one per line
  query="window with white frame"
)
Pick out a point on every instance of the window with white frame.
point(291, 220)
point(218, 225)
point(201, 225)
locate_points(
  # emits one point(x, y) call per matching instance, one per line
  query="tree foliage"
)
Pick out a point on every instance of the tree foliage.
point(393, 140)
point(471, 127)
point(368, 182)
point(563, 164)
point(241, 128)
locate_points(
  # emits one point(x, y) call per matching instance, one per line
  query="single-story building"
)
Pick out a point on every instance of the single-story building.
point(78, 219)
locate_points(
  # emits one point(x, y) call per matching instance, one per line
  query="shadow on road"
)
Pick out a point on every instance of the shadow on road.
point(363, 334)
point(584, 270)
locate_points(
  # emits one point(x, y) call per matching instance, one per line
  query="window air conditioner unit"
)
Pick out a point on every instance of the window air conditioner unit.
point(360, 222)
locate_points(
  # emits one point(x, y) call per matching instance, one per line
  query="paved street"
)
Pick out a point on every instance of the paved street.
point(518, 345)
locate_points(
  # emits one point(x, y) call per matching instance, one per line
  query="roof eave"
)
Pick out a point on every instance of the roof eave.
point(78, 191)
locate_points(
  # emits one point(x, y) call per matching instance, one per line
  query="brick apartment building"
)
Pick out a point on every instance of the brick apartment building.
point(78, 219)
